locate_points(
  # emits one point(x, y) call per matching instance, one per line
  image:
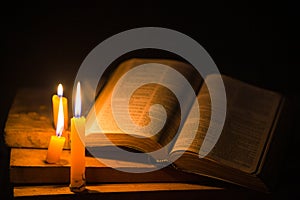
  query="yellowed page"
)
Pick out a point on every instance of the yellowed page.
point(103, 119)
point(250, 114)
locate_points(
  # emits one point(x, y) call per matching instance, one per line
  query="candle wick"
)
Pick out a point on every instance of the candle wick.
point(77, 116)
point(59, 132)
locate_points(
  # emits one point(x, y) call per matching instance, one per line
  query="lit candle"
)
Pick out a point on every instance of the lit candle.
point(57, 141)
point(55, 103)
point(77, 147)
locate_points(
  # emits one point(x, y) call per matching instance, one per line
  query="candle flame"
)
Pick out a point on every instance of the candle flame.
point(60, 119)
point(78, 101)
point(60, 90)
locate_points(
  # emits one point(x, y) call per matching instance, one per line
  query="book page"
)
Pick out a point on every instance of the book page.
point(141, 101)
point(250, 114)
point(185, 139)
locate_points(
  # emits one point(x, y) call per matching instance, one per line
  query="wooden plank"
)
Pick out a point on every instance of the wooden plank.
point(27, 166)
point(118, 191)
point(106, 188)
point(30, 121)
point(132, 191)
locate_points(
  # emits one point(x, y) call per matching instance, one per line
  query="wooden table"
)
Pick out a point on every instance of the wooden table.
point(27, 133)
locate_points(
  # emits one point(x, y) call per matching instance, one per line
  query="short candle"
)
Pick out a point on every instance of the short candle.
point(57, 141)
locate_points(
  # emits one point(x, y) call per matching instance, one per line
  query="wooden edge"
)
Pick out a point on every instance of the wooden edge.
point(132, 191)
point(27, 166)
point(109, 188)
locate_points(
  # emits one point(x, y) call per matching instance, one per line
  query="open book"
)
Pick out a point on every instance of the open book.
point(242, 153)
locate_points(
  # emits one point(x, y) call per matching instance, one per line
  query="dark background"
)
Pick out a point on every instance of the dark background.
point(42, 45)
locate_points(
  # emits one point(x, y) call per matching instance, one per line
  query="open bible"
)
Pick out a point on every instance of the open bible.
point(247, 152)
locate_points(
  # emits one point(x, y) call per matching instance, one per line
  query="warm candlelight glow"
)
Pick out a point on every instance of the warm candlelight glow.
point(55, 104)
point(78, 101)
point(60, 90)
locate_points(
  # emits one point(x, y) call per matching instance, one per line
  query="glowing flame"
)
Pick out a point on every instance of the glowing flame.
point(78, 101)
point(60, 119)
point(60, 90)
